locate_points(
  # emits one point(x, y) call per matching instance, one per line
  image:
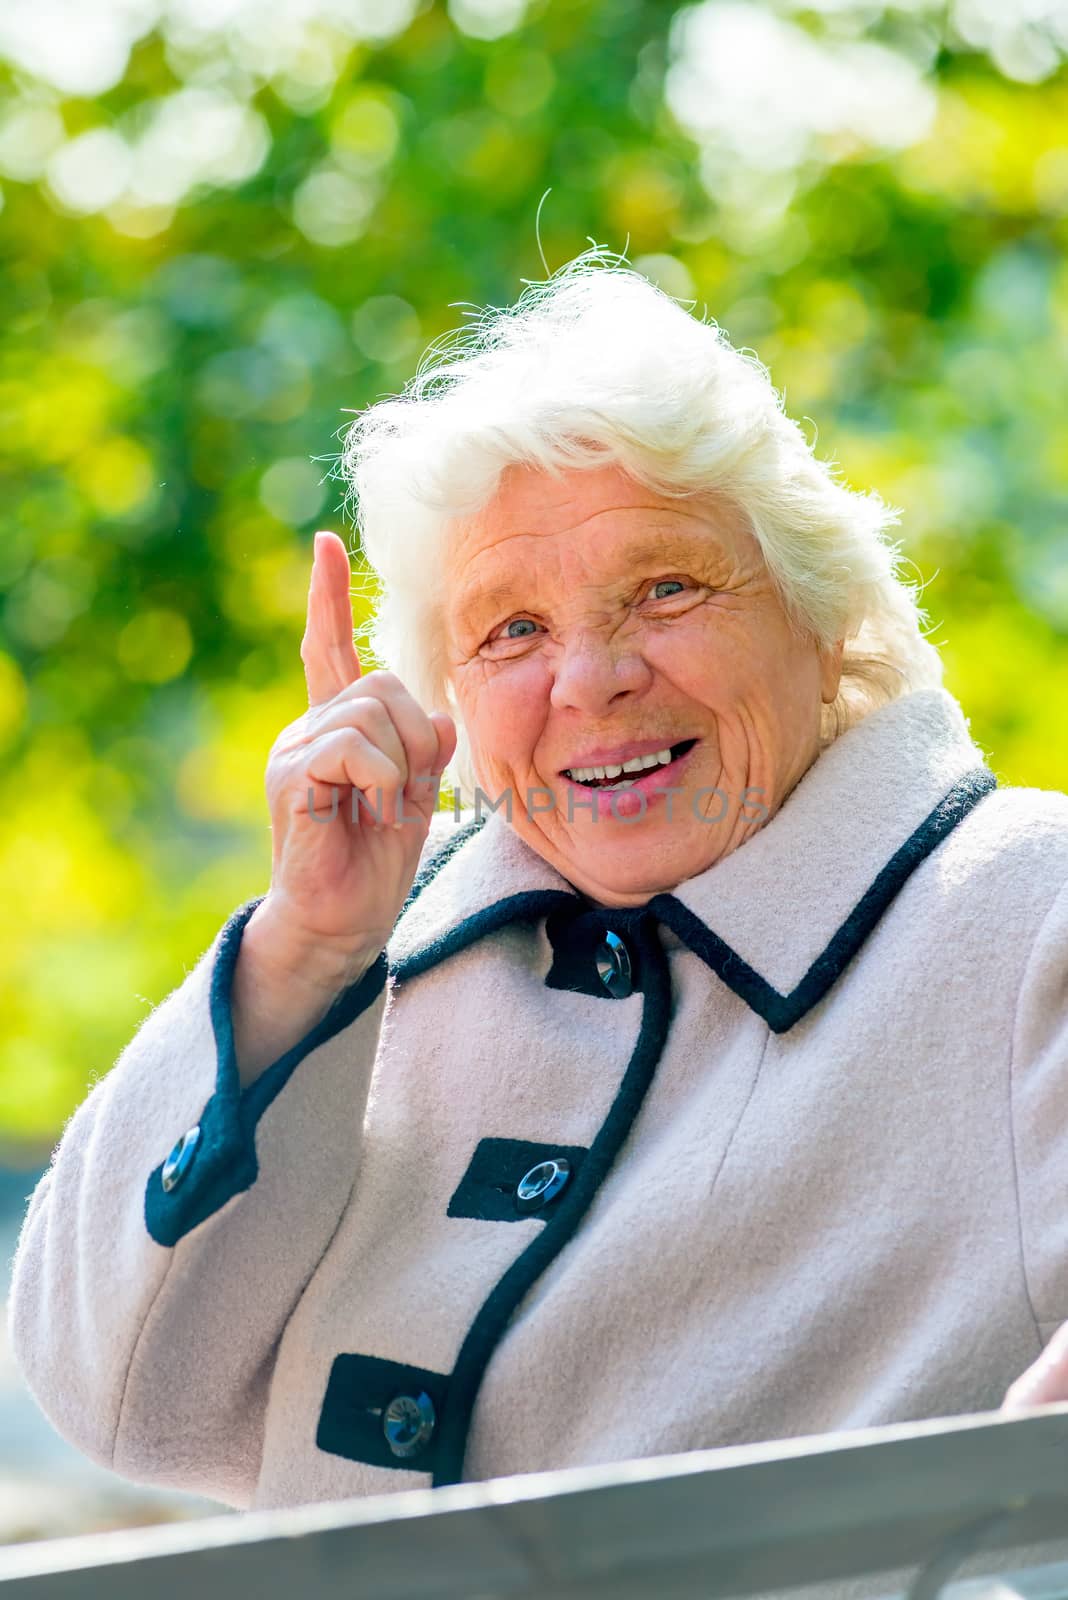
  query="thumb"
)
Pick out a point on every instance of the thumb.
point(1046, 1380)
point(447, 740)
point(424, 789)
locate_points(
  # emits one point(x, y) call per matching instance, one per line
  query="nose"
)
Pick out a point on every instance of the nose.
point(594, 672)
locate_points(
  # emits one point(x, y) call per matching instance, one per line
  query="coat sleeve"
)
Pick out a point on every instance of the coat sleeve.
point(1040, 1116)
point(166, 1247)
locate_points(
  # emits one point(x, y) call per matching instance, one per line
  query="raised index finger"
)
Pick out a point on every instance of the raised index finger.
point(327, 651)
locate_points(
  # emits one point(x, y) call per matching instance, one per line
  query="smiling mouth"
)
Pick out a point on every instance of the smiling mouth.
point(624, 777)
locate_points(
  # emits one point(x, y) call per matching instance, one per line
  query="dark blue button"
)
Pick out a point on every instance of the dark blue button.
point(408, 1423)
point(613, 966)
point(542, 1184)
point(180, 1160)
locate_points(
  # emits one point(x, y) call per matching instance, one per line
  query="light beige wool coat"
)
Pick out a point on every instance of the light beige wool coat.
point(808, 1174)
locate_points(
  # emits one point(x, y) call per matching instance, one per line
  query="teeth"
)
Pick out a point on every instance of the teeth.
point(637, 764)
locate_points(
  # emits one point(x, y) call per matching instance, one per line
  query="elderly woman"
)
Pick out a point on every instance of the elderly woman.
point(702, 1080)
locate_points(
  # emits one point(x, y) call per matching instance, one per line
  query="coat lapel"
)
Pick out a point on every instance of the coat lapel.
point(780, 917)
point(482, 876)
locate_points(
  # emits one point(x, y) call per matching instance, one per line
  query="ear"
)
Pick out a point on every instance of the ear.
point(831, 670)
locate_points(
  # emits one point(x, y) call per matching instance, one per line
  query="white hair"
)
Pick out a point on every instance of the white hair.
point(597, 366)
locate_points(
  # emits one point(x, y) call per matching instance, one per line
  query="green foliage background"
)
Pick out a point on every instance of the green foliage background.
point(179, 355)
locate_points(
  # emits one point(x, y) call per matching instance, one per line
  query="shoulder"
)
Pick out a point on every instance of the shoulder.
point(448, 832)
point(445, 826)
point(1022, 826)
point(1006, 863)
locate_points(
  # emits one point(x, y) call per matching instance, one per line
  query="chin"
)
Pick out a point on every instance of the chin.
point(638, 868)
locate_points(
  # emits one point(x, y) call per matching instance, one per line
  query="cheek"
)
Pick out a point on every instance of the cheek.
point(701, 659)
point(504, 710)
point(724, 658)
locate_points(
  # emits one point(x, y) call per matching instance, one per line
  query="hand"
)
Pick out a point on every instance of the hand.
point(1046, 1380)
point(338, 881)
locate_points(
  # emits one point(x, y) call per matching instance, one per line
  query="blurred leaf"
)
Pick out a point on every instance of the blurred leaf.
point(225, 230)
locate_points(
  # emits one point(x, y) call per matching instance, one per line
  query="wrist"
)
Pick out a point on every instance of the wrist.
point(295, 957)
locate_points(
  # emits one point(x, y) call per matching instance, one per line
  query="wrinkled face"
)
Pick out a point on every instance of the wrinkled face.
point(625, 670)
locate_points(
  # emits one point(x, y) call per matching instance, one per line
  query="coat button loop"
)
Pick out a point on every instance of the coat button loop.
point(408, 1423)
point(613, 966)
point(180, 1160)
point(542, 1184)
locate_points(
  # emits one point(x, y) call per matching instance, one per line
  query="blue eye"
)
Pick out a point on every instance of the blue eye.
point(516, 621)
point(660, 583)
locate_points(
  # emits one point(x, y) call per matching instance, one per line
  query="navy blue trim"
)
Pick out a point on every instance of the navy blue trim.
point(780, 1011)
point(225, 1161)
point(487, 1189)
point(532, 903)
point(491, 1321)
point(357, 1393)
point(570, 916)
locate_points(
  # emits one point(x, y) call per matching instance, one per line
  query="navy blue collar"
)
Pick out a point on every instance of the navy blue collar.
point(781, 916)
